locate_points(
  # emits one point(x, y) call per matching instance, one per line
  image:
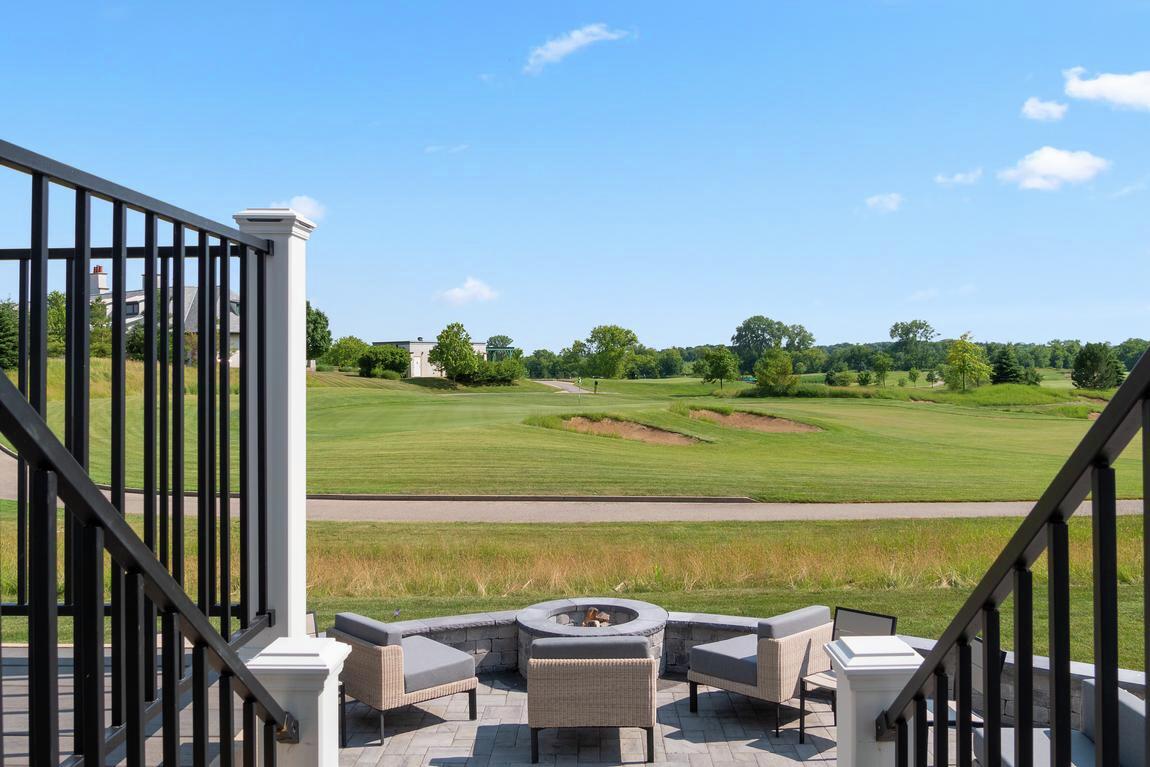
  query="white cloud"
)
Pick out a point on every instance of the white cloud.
point(885, 203)
point(1049, 168)
point(471, 290)
point(959, 179)
point(309, 207)
point(1043, 111)
point(556, 49)
point(1131, 91)
point(446, 148)
point(1129, 189)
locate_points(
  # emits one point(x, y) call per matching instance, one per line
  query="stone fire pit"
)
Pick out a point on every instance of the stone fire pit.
point(562, 618)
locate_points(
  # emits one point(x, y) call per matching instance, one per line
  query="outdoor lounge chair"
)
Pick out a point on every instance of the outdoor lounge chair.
point(386, 670)
point(767, 664)
point(1131, 735)
point(848, 623)
point(591, 682)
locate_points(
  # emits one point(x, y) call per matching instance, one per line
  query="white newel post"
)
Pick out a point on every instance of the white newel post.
point(871, 671)
point(302, 674)
point(286, 398)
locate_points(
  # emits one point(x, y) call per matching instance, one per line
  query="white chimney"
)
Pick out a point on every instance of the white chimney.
point(97, 282)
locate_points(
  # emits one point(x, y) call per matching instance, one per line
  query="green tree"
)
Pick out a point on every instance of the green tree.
point(572, 360)
point(912, 339)
point(1097, 367)
point(881, 364)
point(100, 330)
point(346, 351)
point(912, 376)
point(57, 323)
point(670, 363)
point(1005, 366)
point(500, 341)
point(643, 366)
point(775, 373)
point(931, 377)
point(757, 334)
point(965, 364)
point(719, 364)
point(608, 348)
point(134, 346)
point(1130, 350)
point(318, 333)
point(809, 360)
point(453, 353)
point(375, 360)
point(541, 363)
point(9, 335)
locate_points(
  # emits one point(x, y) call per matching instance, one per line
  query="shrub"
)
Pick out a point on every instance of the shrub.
point(1031, 377)
point(505, 372)
point(323, 367)
point(864, 378)
point(1097, 367)
point(902, 381)
point(346, 352)
point(839, 378)
point(377, 359)
point(389, 375)
point(774, 373)
point(1005, 367)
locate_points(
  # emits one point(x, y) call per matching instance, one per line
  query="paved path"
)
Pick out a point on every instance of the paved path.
point(565, 387)
point(368, 509)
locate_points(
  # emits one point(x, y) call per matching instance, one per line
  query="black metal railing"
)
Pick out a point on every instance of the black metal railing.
point(142, 603)
point(1089, 470)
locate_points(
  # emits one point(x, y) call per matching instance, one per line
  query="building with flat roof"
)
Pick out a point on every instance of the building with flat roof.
point(421, 366)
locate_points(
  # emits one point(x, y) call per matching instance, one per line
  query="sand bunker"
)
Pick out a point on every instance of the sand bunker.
point(628, 430)
point(755, 422)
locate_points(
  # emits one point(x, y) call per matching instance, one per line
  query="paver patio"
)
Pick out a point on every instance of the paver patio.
point(728, 729)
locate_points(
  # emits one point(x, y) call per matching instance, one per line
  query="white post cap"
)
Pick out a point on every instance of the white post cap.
point(273, 221)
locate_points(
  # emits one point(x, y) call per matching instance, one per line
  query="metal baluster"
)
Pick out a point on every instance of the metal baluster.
point(225, 445)
point(1103, 509)
point(269, 743)
point(963, 701)
point(247, 340)
point(262, 428)
point(135, 630)
point(165, 407)
point(21, 464)
point(227, 721)
point(88, 714)
point(200, 734)
point(119, 298)
point(43, 701)
point(1058, 592)
point(1023, 664)
point(208, 366)
point(203, 425)
point(991, 686)
point(38, 298)
point(172, 670)
point(902, 747)
point(151, 253)
point(177, 514)
point(89, 618)
point(941, 717)
point(249, 730)
point(920, 731)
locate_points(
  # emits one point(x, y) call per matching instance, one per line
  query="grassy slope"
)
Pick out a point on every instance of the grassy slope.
point(920, 571)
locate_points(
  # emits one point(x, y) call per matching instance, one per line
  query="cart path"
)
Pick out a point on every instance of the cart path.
point(564, 387)
point(543, 510)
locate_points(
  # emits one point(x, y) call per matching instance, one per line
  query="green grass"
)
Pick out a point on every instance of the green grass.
point(919, 570)
point(376, 436)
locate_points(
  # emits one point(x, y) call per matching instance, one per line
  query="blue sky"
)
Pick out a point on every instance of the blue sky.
point(537, 169)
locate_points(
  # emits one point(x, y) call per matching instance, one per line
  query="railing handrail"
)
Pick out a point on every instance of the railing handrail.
point(24, 427)
point(21, 159)
point(1119, 421)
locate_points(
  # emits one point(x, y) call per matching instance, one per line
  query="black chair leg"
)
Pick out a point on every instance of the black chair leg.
point(473, 709)
point(802, 713)
point(535, 745)
point(342, 717)
point(381, 728)
point(694, 697)
point(776, 720)
point(650, 743)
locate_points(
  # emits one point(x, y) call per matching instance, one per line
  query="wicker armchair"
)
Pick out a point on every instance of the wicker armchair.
point(387, 671)
point(591, 682)
point(767, 664)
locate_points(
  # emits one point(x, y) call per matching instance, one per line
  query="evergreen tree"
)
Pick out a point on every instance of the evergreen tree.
point(1097, 366)
point(9, 335)
point(1006, 367)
